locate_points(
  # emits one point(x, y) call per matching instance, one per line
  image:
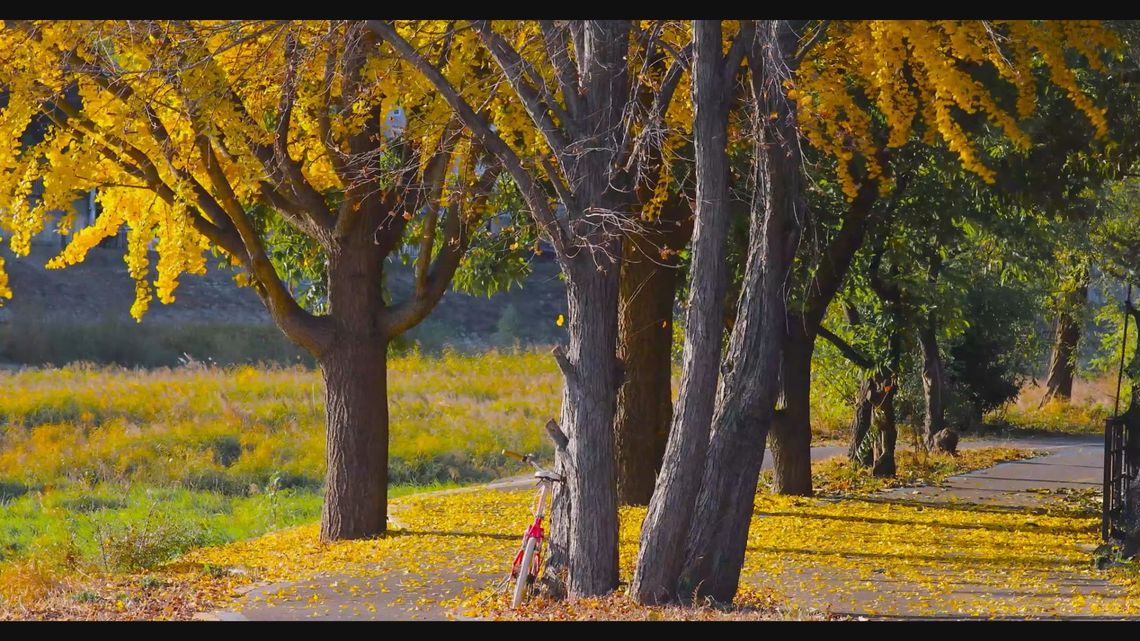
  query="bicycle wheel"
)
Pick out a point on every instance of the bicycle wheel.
point(524, 571)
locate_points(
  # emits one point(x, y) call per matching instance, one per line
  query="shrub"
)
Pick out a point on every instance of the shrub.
point(142, 545)
point(509, 329)
point(986, 361)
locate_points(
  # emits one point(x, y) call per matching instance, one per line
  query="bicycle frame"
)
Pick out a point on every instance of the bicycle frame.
point(534, 531)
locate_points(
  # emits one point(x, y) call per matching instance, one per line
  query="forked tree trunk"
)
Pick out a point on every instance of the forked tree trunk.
point(885, 433)
point(933, 382)
point(857, 453)
point(1066, 334)
point(645, 347)
point(791, 429)
point(873, 430)
point(661, 553)
point(718, 532)
point(356, 397)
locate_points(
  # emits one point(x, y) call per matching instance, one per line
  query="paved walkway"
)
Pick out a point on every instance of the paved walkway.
point(1076, 466)
point(925, 590)
point(1073, 462)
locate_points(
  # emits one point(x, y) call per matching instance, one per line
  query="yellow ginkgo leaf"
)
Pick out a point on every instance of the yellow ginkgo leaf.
point(560, 321)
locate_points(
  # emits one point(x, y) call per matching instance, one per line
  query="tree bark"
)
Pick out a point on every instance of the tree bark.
point(884, 430)
point(791, 429)
point(355, 374)
point(587, 539)
point(718, 531)
point(661, 553)
point(1066, 334)
point(861, 425)
point(645, 347)
point(933, 381)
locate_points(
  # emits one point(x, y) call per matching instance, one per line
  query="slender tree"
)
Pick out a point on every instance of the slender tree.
point(660, 555)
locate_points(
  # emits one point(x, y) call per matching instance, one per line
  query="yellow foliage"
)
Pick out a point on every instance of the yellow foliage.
point(917, 72)
point(172, 100)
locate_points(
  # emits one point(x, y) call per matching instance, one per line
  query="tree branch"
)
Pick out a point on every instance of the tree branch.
point(536, 199)
point(815, 38)
point(281, 169)
point(564, 364)
point(457, 235)
point(514, 67)
point(434, 177)
point(309, 331)
point(846, 349)
point(554, 37)
point(324, 120)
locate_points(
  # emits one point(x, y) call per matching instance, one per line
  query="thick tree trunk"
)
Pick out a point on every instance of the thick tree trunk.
point(355, 374)
point(645, 347)
point(661, 553)
point(791, 430)
point(587, 539)
point(1066, 334)
point(718, 531)
point(356, 485)
point(933, 382)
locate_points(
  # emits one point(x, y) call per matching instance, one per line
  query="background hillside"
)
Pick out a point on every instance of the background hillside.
point(82, 313)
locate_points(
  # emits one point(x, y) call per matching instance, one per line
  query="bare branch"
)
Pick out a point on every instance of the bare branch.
point(564, 364)
point(513, 67)
point(434, 176)
point(812, 41)
point(557, 43)
point(536, 199)
point(457, 234)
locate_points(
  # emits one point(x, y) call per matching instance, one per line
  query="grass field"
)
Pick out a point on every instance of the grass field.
point(108, 469)
point(113, 469)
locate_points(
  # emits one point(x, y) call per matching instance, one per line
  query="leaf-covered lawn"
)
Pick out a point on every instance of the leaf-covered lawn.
point(806, 558)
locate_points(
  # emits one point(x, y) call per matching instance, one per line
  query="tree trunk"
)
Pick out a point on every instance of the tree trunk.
point(883, 429)
point(933, 381)
point(861, 425)
point(791, 430)
point(645, 347)
point(590, 369)
point(718, 531)
point(1066, 333)
point(661, 553)
point(356, 485)
point(356, 396)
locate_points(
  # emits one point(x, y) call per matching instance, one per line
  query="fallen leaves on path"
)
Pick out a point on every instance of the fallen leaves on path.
point(806, 557)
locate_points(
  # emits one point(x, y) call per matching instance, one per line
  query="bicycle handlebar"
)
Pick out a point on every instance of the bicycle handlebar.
point(525, 458)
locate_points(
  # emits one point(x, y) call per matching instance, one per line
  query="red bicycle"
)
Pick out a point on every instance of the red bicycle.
point(528, 561)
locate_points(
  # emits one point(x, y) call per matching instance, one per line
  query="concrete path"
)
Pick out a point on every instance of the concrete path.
point(1074, 462)
point(1078, 466)
point(1038, 592)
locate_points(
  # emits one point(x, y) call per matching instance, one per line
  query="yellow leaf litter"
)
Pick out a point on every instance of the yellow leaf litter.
point(857, 554)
